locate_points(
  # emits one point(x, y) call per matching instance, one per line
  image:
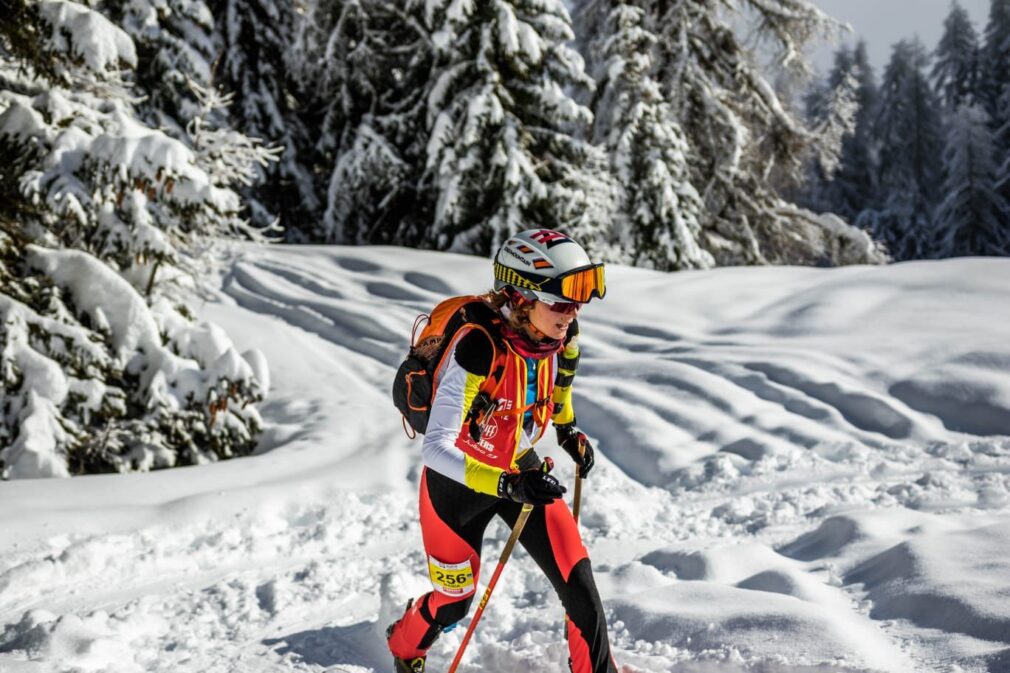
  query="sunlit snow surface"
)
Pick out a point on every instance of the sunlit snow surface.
point(798, 470)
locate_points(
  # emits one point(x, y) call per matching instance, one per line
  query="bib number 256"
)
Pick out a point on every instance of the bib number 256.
point(452, 579)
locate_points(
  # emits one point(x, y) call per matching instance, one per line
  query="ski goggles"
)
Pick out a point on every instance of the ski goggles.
point(576, 286)
point(579, 285)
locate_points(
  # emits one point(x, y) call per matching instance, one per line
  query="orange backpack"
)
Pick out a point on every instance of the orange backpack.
point(414, 383)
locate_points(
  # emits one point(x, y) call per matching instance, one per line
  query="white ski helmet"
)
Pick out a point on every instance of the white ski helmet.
point(548, 266)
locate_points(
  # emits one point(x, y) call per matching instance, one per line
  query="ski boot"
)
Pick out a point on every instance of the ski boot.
point(415, 665)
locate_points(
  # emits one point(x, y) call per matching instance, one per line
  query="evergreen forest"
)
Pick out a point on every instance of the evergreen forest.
point(135, 134)
point(925, 167)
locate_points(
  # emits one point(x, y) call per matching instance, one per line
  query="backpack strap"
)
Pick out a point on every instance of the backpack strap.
point(522, 410)
point(474, 314)
point(485, 403)
point(487, 320)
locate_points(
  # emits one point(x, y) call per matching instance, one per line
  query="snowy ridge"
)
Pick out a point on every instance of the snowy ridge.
point(798, 470)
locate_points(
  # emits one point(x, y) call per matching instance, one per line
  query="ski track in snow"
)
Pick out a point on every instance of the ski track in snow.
point(765, 499)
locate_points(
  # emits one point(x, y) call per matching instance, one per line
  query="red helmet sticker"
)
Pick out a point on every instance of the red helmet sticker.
point(549, 237)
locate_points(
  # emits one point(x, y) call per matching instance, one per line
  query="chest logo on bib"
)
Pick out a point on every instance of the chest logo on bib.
point(489, 428)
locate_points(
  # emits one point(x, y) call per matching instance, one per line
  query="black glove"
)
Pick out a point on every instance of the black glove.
point(569, 439)
point(534, 487)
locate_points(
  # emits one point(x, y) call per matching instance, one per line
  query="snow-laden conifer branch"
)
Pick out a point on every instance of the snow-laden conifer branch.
point(67, 41)
point(104, 371)
point(232, 156)
point(793, 25)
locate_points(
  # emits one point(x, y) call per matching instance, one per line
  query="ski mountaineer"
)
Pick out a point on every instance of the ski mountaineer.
point(542, 279)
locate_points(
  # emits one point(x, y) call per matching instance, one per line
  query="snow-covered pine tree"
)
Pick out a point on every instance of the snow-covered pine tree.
point(837, 122)
point(973, 82)
point(956, 61)
point(1002, 148)
point(995, 84)
point(502, 152)
point(364, 70)
point(852, 188)
point(818, 93)
point(831, 108)
point(744, 143)
point(994, 65)
point(910, 136)
point(101, 369)
point(255, 36)
point(973, 217)
point(859, 153)
point(648, 151)
point(175, 47)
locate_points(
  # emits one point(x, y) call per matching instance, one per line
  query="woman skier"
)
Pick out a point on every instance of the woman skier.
point(472, 474)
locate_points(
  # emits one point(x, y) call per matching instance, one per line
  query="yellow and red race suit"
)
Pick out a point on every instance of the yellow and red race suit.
point(448, 446)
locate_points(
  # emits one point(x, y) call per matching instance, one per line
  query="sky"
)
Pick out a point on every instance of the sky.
point(884, 22)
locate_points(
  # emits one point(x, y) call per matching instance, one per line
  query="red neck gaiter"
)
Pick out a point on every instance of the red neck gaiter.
point(527, 347)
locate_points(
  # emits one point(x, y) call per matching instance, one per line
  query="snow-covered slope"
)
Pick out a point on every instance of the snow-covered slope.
point(799, 470)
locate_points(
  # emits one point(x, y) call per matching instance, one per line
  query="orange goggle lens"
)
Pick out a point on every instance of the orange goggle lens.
point(580, 286)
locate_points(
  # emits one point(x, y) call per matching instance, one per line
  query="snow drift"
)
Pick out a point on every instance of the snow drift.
point(798, 470)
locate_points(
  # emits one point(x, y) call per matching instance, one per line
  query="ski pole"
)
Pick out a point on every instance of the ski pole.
point(516, 530)
point(576, 504)
point(577, 497)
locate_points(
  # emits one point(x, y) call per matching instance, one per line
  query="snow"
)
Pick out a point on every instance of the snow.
point(797, 470)
point(18, 118)
point(96, 287)
point(950, 581)
point(198, 365)
point(88, 35)
point(111, 138)
point(508, 27)
point(34, 452)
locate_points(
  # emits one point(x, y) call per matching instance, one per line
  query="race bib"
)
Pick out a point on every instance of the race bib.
point(451, 579)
